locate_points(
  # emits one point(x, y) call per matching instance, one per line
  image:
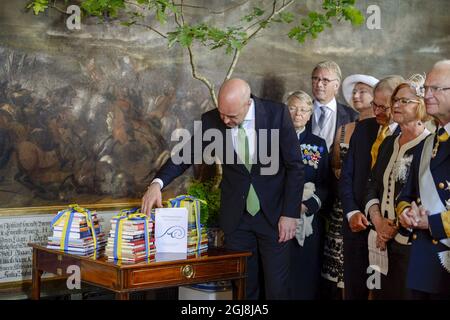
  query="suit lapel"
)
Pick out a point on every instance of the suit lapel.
point(309, 123)
point(443, 154)
point(341, 117)
point(303, 136)
point(260, 123)
point(228, 141)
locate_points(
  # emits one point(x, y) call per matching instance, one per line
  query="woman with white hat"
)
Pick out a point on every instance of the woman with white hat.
point(358, 92)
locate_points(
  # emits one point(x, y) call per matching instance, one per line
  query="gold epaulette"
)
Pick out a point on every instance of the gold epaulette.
point(402, 206)
point(445, 216)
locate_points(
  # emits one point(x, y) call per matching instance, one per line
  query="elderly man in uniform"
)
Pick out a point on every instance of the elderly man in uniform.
point(424, 204)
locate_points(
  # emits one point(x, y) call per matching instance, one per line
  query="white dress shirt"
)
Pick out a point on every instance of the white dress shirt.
point(329, 126)
point(447, 128)
point(249, 127)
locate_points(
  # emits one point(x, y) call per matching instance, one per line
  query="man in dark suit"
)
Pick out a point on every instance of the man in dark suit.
point(328, 114)
point(352, 188)
point(258, 206)
point(428, 187)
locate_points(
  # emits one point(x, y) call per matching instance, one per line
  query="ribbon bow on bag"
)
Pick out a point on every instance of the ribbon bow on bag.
point(184, 201)
point(67, 215)
point(129, 215)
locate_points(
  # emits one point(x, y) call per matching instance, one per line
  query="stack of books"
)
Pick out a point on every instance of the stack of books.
point(194, 244)
point(131, 243)
point(197, 238)
point(78, 238)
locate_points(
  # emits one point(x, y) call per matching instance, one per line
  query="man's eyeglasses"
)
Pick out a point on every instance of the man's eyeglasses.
point(377, 106)
point(433, 89)
point(403, 101)
point(325, 81)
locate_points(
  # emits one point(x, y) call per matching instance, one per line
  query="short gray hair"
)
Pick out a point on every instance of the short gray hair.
point(300, 95)
point(389, 83)
point(331, 66)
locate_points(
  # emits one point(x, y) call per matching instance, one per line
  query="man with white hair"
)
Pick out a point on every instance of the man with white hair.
point(424, 204)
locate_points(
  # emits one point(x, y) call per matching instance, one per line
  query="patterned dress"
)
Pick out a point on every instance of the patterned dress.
point(333, 258)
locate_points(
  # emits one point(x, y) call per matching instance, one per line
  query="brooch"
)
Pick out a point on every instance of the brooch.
point(401, 168)
point(311, 155)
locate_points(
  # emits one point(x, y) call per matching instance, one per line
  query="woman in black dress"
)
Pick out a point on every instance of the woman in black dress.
point(305, 247)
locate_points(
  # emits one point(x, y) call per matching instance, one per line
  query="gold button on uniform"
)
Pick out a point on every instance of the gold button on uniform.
point(441, 185)
point(418, 200)
point(414, 236)
point(435, 242)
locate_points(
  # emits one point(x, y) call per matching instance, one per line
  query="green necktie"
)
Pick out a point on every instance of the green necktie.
point(244, 153)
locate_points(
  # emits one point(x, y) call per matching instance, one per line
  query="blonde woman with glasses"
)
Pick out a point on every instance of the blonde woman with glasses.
point(387, 180)
point(305, 247)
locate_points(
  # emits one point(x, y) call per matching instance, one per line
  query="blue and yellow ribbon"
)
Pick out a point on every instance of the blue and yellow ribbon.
point(126, 215)
point(68, 215)
point(181, 201)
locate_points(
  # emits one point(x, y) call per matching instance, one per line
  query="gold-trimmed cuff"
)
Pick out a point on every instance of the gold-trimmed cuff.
point(445, 216)
point(402, 206)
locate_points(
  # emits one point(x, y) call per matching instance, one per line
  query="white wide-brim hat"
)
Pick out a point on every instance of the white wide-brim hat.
point(349, 83)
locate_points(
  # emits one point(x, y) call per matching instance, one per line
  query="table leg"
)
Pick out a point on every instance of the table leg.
point(239, 284)
point(35, 278)
point(239, 289)
point(122, 296)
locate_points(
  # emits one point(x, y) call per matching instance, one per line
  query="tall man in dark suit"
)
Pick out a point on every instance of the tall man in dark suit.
point(352, 188)
point(428, 187)
point(259, 203)
point(328, 114)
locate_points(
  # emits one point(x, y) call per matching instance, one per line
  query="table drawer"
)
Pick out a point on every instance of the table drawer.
point(183, 273)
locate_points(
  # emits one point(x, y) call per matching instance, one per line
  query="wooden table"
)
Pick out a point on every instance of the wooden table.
point(216, 265)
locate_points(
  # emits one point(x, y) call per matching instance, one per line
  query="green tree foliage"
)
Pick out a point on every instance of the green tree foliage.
point(210, 193)
point(233, 39)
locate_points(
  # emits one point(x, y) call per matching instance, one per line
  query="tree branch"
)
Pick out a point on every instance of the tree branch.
point(182, 13)
point(57, 9)
point(134, 4)
point(209, 9)
point(177, 20)
point(152, 29)
point(269, 18)
point(202, 78)
point(236, 56)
